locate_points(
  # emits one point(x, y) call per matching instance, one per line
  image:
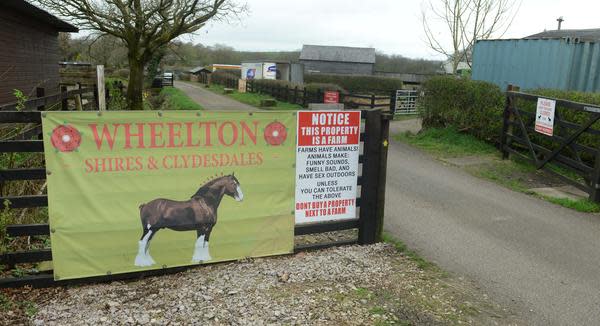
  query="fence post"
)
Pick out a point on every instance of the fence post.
point(295, 94)
point(304, 98)
point(506, 123)
point(287, 93)
point(64, 98)
point(373, 177)
point(372, 101)
point(40, 92)
point(595, 182)
point(393, 100)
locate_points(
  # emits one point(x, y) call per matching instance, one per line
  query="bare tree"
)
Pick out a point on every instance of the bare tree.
point(144, 26)
point(464, 22)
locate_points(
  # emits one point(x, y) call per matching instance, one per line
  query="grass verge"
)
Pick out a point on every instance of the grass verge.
point(175, 99)
point(254, 99)
point(447, 142)
point(402, 248)
point(514, 174)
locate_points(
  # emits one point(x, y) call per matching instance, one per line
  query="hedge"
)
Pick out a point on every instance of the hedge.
point(357, 84)
point(471, 106)
point(476, 107)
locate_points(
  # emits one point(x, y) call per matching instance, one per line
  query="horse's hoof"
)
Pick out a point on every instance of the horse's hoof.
point(144, 261)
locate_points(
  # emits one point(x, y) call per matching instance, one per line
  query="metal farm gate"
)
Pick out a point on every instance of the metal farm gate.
point(369, 222)
point(406, 102)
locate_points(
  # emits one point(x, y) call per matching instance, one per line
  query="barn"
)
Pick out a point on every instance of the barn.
point(338, 60)
point(30, 50)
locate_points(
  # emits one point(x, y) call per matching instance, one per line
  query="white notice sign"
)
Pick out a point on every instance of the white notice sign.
point(327, 165)
point(544, 116)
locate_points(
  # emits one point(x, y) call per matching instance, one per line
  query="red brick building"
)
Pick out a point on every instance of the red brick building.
point(29, 50)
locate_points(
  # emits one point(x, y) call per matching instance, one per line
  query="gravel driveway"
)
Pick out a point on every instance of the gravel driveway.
point(354, 285)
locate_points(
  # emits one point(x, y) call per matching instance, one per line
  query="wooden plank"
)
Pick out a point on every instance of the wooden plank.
point(21, 257)
point(25, 201)
point(325, 227)
point(319, 246)
point(23, 174)
point(561, 122)
point(560, 176)
point(579, 147)
point(36, 281)
point(568, 162)
point(26, 230)
point(372, 154)
point(578, 106)
point(22, 146)
point(20, 117)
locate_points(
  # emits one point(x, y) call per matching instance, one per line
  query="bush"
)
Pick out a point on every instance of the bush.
point(313, 87)
point(357, 84)
point(471, 106)
point(120, 73)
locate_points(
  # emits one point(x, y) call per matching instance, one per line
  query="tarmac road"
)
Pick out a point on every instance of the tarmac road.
point(211, 101)
point(539, 259)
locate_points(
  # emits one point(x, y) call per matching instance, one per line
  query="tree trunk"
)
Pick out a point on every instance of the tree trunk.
point(135, 88)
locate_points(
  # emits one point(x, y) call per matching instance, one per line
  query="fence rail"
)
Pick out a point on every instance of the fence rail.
point(303, 96)
point(561, 150)
point(369, 221)
point(42, 102)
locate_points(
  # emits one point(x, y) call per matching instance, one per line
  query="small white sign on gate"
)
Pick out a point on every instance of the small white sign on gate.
point(544, 116)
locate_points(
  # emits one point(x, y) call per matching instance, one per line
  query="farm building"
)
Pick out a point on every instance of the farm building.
point(30, 51)
point(276, 70)
point(338, 60)
point(561, 59)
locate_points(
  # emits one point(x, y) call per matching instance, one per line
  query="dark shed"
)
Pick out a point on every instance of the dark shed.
point(30, 51)
point(338, 60)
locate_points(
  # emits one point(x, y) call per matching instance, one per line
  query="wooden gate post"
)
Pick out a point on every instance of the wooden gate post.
point(393, 99)
point(506, 123)
point(594, 190)
point(372, 205)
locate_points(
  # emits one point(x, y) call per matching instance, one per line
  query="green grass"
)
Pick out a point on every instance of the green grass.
point(582, 205)
point(401, 247)
point(176, 99)
point(447, 142)
point(254, 99)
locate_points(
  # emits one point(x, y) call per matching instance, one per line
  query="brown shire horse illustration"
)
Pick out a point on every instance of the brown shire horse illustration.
point(197, 214)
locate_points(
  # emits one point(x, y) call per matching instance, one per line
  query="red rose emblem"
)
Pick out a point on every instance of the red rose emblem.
point(65, 138)
point(275, 133)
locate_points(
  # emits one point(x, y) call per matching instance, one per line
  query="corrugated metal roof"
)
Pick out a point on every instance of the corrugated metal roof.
point(337, 54)
point(582, 34)
point(538, 63)
point(30, 10)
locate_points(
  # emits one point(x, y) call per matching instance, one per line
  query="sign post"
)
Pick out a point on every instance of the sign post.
point(101, 88)
point(544, 116)
point(327, 155)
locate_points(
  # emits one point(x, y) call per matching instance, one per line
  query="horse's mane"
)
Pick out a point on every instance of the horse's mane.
point(206, 187)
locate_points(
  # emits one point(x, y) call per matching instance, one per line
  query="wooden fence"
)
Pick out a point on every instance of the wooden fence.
point(573, 147)
point(369, 221)
point(56, 101)
point(304, 96)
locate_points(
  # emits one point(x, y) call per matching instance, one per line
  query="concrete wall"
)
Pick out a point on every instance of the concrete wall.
point(346, 68)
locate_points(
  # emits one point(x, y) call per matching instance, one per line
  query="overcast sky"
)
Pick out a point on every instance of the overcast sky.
point(391, 26)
